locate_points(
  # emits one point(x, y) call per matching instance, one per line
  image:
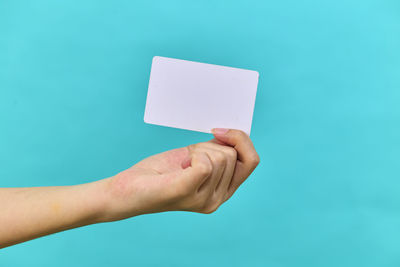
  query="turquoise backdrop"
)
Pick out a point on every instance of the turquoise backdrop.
point(73, 84)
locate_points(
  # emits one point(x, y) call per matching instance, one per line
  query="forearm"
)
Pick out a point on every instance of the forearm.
point(28, 213)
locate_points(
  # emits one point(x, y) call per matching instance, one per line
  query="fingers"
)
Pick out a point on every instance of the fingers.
point(241, 142)
point(205, 182)
point(230, 155)
point(199, 170)
point(216, 169)
point(247, 157)
point(218, 161)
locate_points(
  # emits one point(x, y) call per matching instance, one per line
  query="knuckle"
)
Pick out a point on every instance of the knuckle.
point(219, 158)
point(241, 135)
point(210, 209)
point(205, 169)
point(192, 147)
point(212, 204)
point(254, 160)
point(198, 145)
point(231, 152)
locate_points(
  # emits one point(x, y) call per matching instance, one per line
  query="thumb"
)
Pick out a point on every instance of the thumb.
point(199, 170)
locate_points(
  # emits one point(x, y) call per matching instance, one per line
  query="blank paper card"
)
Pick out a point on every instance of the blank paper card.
point(199, 96)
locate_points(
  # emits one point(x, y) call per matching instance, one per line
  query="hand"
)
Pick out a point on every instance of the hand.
point(198, 178)
point(195, 178)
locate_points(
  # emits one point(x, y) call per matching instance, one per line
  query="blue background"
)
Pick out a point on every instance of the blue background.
point(73, 83)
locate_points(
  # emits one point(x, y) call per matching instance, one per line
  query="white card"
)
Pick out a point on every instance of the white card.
point(199, 96)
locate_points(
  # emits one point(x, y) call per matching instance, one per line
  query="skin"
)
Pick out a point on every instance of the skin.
point(197, 178)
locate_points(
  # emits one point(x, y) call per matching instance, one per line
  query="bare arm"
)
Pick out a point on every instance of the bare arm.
point(28, 213)
point(197, 178)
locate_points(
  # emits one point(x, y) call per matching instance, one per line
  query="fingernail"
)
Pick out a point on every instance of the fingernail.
point(219, 131)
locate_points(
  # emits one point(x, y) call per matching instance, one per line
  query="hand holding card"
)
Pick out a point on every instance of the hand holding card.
point(199, 96)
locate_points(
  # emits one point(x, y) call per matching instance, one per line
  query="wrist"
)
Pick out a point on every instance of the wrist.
point(97, 201)
point(116, 199)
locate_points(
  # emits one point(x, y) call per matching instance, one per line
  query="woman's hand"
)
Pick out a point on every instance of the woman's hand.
point(196, 178)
